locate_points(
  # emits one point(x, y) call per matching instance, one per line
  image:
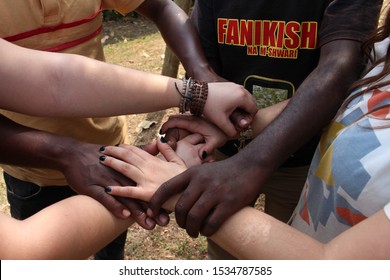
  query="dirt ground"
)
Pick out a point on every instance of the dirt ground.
point(135, 42)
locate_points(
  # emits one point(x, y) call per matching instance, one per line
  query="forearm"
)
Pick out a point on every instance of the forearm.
point(74, 228)
point(266, 115)
point(180, 36)
point(49, 75)
point(310, 109)
point(252, 234)
point(24, 146)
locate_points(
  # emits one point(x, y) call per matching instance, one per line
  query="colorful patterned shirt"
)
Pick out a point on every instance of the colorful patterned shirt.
point(349, 177)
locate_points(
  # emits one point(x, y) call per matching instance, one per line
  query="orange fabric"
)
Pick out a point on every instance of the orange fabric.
point(18, 17)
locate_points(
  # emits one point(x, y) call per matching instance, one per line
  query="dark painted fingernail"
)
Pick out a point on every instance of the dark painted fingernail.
point(163, 140)
point(107, 189)
point(102, 158)
point(204, 155)
point(102, 148)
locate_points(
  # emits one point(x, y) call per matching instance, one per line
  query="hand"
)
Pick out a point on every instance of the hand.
point(223, 100)
point(148, 171)
point(212, 192)
point(188, 149)
point(179, 126)
point(87, 176)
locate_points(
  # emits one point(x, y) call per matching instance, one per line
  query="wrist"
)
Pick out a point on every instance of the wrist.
point(61, 153)
point(193, 96)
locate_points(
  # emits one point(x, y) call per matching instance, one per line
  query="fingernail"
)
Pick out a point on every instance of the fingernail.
point(102, 158)
point(163, 140)
point(150, 222)
point(102, 148)
point(126, 213)
point(149, 212)
point(204, 155)
point(107, 189)
point(163, 219)
point(244, 122)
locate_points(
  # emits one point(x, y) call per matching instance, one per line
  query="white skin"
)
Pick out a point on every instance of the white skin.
point(77, 227)
point(187, 124)
point(66, 85)
point(251, 234)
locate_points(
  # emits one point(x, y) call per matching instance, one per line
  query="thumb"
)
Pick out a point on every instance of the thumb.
point(168, 153)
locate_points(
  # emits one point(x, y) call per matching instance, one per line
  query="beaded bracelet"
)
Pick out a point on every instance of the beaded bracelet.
point(193, 96)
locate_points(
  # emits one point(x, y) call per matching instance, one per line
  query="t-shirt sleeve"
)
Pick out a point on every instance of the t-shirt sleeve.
point(349, 20)
point(387, 210)
point(122, 6)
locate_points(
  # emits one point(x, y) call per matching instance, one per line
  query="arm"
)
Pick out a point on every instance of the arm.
point(179, 126)
point(78, 162)
point(180, 36)
point(60, 78)
point(340, 64)
point(74, 228)
point(249, 233)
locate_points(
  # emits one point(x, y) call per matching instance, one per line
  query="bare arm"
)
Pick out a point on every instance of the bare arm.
point(74, 228)
point(250, 233)
point(181, 37)
point(308, 111)
point(65, 85)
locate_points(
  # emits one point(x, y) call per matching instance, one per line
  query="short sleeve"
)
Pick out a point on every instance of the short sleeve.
point(349, 20)
point(122, 6)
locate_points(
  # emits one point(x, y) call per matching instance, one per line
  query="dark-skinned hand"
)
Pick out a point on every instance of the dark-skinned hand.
point(211, 193)
point(87, 176)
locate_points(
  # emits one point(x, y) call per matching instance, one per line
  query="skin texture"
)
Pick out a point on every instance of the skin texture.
point(45, 73)
point(249, 233)
point(200, 210)
point(76, 155)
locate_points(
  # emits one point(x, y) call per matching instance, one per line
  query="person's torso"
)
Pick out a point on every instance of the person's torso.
point(270, 47)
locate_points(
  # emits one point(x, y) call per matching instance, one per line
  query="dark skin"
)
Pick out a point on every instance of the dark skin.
point(181, 37)
point(211, 195)
point(79, 161)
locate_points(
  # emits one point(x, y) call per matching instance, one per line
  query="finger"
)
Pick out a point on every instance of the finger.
point(165, 191)
point(183, 207)
point(216, 219)
point(186, 124)
point(151, 148)
point(162, 219)
point(112, 204)
point(138, 213)
point(240, 119)
point(171, 142)
point(172, 134)
point(131, 192)
point(128, 153)
point(129, 170)
point(169, 154)
point(194, 139)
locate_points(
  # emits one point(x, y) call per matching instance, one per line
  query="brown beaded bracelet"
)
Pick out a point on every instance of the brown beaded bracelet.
point(193, 96)
point(199, 96)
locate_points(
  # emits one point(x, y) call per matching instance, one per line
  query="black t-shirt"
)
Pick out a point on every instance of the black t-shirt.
point(270, 47)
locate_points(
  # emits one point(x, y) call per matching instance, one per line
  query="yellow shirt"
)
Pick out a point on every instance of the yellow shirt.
point(68, 26)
